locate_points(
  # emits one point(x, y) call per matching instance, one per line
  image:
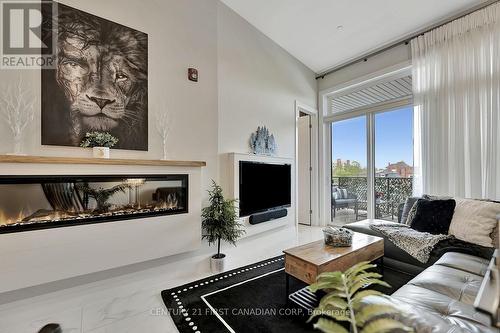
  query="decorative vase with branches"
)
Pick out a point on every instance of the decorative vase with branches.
point(17, 107)
point(343, 303)
point(163, 123)
point(220, 222)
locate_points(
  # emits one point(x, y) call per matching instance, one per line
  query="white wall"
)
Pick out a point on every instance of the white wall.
point(245, 80)
point(258, 85)
point(181, 34)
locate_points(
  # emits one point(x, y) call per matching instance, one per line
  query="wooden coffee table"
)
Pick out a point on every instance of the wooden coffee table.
point(307, 261)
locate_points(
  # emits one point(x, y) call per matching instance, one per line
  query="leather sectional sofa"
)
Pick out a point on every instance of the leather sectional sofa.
point(441, 296)
point(399, 260)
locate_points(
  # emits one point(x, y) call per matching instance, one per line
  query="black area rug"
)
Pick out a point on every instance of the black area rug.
point(247, 299)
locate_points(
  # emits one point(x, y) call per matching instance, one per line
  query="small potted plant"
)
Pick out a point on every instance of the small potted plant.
point(100, 142)
point(220, 222)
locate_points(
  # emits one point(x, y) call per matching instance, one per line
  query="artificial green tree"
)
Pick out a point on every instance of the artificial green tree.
point(220, 220)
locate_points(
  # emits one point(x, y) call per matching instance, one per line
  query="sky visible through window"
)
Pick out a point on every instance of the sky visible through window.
point(393, 138)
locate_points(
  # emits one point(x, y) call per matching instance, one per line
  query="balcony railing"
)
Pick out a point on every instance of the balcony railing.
point(390, 192)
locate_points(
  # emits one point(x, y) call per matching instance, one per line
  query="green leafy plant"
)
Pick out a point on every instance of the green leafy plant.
point(220, 219)
point(98, 139)
point(343, 303)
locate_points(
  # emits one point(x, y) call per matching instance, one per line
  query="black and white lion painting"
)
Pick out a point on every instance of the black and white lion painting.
point(99, 82)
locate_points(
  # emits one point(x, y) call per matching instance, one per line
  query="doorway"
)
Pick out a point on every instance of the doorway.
point(306, 165)
point(304, 168)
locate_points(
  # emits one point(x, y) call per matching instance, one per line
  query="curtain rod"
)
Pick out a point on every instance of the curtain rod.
point(406, 39)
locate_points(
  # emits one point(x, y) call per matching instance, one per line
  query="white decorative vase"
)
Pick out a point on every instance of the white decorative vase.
point(100, 152)
point(217, 265)
point(18, 146)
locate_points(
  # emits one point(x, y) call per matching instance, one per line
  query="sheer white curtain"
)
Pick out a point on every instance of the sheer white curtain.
point(456, 83)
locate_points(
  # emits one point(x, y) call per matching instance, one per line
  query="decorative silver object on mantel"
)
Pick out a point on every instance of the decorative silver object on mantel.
point(262, 143)
point(337, 237)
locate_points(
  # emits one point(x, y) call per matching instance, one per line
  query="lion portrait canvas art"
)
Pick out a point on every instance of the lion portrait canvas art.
point(99, 83)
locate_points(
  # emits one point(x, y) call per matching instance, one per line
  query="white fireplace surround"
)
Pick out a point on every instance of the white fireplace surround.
point(233, 190)
point(35, 257)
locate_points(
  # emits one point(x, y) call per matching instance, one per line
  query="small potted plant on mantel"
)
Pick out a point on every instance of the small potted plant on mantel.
point(220, 222)
point(100, 142)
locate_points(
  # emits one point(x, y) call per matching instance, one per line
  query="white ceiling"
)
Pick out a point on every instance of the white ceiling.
point(307, 29)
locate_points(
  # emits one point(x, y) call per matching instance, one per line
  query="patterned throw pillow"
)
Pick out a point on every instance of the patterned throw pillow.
point(335, 193)
point(411, 213)
point(409, 204)
point(433, 216)
point(343, 193)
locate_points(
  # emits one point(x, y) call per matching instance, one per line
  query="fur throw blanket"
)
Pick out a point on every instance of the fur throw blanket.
point(418, 244)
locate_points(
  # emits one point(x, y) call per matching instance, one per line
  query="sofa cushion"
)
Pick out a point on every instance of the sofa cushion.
point(454, 283)
point(424, 320)
point(339, 193)
point(474, 221)
point(433, 216)
point(460, 317)
point(464, 262)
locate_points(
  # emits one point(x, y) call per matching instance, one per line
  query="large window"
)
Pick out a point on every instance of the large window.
point(393, 161)
point(349, 176)
point(372, 164)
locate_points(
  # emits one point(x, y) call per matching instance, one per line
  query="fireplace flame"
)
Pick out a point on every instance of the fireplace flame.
point(5, 220)
point(171, 202)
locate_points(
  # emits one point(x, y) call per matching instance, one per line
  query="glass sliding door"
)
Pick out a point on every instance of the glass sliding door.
point(374, 183)
point(393, 161)
point(349, 170)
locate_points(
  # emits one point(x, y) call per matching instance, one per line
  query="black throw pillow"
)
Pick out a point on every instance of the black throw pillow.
point(433, 216)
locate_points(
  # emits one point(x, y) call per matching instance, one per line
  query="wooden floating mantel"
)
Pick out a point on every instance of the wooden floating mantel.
point(105, 161)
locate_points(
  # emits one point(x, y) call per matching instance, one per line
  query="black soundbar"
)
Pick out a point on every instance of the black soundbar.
point(268, 216)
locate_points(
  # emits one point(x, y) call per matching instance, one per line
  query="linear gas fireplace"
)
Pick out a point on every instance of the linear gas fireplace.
point(39, 202)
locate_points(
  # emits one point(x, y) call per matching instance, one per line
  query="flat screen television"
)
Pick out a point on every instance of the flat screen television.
point(264, 186)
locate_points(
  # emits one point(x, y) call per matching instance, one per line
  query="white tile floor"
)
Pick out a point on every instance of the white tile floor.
point(132, 303)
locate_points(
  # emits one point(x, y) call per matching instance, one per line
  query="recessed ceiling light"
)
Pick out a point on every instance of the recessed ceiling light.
point(340, 28)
